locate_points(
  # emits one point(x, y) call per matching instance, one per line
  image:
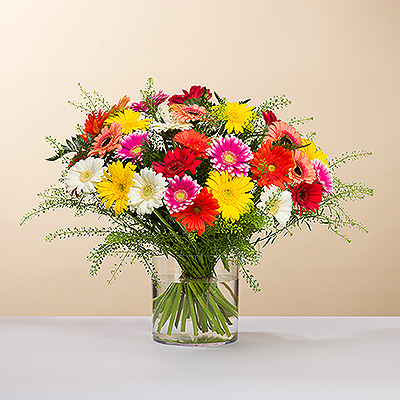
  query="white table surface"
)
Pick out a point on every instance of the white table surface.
point(275, 358)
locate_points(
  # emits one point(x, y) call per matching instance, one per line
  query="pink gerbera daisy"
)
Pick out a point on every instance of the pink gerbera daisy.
point(131, 146)
point(230, 154)
point(177, 162)
point(280, 130)
point(185, 114)
point(323, 175)
point(150, 102)
point(303, 170)
point(107, 140)
point(181, 193)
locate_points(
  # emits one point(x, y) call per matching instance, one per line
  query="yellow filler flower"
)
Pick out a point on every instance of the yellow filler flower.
point(116, 185)
point(231, 193)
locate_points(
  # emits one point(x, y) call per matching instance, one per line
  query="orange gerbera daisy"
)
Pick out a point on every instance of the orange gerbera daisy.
point(185, 114)
point(107, 140)
point(121, 105)
point(271, 165)
point(193, 140)
point(203, 211)
point(94, 123)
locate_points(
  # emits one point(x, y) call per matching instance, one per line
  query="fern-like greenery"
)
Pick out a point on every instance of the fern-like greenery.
point(134, 237)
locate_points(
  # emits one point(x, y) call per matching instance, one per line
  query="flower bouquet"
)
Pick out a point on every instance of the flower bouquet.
point(202, 183)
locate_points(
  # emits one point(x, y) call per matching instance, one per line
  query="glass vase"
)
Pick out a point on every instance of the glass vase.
point(195, 302)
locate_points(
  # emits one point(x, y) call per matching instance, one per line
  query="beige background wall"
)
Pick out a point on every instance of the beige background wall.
point(337, 60)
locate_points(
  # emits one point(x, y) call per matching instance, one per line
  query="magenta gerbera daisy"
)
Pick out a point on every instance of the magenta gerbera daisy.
point(230, 154)
point(131, 146)
point(281, 131)
point(177, 162)
point(181, 193)
point(324, 176)
point(303, 170)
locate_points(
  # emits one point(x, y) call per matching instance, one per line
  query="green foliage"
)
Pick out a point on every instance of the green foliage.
point(299, 120)
point(274, 103)
point(92, 102)
point(344, 158)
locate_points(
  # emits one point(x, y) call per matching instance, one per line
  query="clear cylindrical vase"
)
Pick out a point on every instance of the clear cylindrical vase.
point(195, 301)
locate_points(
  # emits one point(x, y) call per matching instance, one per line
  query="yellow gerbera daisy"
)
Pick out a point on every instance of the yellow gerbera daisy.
point(312, 151)
point(116, 186)
point(231, 193)
point(237, 116)
point(129, 121)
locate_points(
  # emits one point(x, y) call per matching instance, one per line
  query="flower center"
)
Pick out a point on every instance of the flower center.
point(193, 111)
point(196, 210)
point(303, 195)
point(273, 208)
point(106, 142)
point(173, 167)
point(121, 186)
point(135, 150)
point(233, 116)
point(228, 157)
point(85, 176)
point(180, 196)
point(271, 167)
point(297, 170)
point(227, 193)
point(147, 191)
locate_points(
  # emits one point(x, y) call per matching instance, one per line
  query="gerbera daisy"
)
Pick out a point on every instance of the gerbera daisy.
point(131, 146)
point(324, 176)
point(121, 105)
point(312, 151)
point(269, 117)
point(306, 196)
point(129, 121)
point(195, 92)
point(147, 192)
point(231, 193)
point(181, 193)
point(116, 185)
point(271, 165)
point(285, 133)
point(94, 123)
point(151, 102)
point(276, 202)
point(237, 116)
point(177, 162)
point(203, 211)
point(303, 170)
point(185, 113)
point(230, 154)
point(170, 126)
point(193, 140)
point(107, 140)
point(83, 175)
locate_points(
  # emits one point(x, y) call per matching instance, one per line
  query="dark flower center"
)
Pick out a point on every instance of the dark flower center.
point(106, 142)
point(196, 210)
point(174, 166)
point(297, 170)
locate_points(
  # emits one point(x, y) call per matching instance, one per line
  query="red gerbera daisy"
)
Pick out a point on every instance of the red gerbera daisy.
point(94, 123)
point(195, 92)
point(203, 210)
point(121, 105)
point(271, 165)
point(193, 140)
point(306, 196)
point(177, 162)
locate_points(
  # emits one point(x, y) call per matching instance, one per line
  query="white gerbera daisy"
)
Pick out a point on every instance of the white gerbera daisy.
point(173, 125)
point(277, 203)
point(147, 192)
point(84, 175)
